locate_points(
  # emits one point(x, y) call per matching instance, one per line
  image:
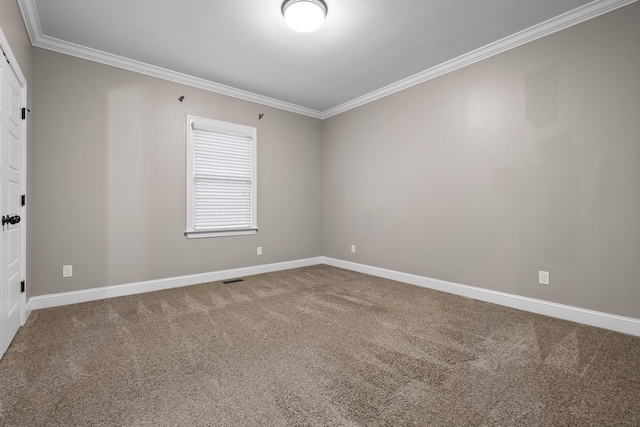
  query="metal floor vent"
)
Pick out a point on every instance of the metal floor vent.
point(228, 282)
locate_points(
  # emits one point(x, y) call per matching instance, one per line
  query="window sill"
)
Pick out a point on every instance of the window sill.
point(221, 233)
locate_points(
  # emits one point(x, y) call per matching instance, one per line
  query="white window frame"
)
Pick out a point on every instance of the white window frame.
point(228, 128)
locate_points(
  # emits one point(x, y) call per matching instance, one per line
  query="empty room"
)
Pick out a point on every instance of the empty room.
point(320, 213)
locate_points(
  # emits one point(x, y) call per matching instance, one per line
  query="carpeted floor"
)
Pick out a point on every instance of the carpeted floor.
point(316, 346)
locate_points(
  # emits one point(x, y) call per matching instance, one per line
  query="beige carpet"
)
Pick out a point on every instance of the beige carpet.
point(316, 346)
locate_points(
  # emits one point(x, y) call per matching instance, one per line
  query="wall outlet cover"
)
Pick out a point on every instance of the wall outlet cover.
point(543, 277)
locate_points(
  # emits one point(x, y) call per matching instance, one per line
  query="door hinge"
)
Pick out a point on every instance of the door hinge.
point(5, 57)
point(23, 200)
point(22, 287)
point(24, 113)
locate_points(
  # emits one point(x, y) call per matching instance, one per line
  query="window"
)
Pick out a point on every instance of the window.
point(221, 178)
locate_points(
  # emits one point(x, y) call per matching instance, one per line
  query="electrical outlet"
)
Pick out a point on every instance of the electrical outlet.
point(543, 277)
point(353, 249)
point(259, 250)
point(67, 270)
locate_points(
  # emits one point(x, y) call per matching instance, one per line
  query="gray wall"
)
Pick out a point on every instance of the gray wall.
point(527, 161)
point(13, 27)
point(108, 167)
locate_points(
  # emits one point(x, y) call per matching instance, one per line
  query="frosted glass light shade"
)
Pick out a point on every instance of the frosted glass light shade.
point(304, 16)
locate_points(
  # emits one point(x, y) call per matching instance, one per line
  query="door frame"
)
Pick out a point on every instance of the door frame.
point(15, 66)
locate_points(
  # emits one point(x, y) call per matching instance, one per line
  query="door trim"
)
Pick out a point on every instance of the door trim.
point(15, 66)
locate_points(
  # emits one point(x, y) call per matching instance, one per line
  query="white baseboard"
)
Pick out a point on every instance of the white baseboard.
point(75, 297)
point(613, 322)
point(28, 308)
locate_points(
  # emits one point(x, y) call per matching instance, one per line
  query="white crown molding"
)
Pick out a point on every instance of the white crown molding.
point(38, 39)
point(30, 18)
point(560, 22)
point(599, 319)
point(75, 297)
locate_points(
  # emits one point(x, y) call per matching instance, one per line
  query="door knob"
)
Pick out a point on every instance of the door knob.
point(10, 219)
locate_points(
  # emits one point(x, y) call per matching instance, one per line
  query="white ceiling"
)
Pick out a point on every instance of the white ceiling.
point(365, 49)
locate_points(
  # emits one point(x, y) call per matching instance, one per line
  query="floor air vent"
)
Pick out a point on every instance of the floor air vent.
point(228, 282)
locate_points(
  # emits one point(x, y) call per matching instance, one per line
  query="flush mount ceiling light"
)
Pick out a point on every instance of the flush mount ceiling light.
point(304, 16)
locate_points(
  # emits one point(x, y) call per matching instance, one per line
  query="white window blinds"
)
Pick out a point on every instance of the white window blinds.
point(222, 178)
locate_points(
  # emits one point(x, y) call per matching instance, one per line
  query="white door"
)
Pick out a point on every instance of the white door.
point(10, 203)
